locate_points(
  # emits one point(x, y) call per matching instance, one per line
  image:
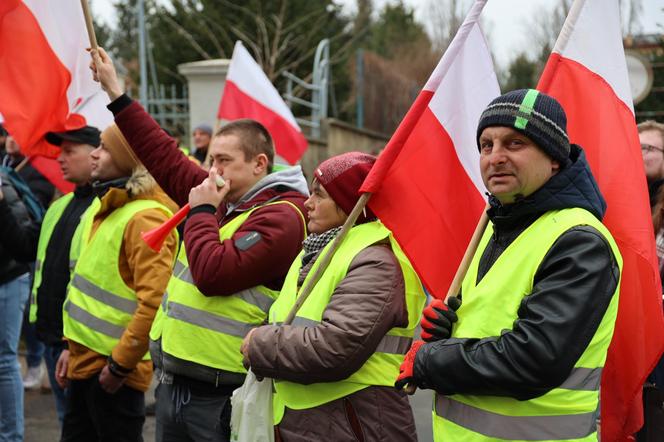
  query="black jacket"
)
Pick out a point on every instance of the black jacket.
point(55, 268)
point(19, 234)
point(573, 287)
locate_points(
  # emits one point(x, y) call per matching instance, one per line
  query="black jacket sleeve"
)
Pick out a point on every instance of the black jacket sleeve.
point(19, 234)
point(572, 290)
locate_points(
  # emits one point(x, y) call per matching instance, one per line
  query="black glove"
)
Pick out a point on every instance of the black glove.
point(438, 318)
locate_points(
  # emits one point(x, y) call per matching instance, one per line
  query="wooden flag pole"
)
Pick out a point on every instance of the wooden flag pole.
point(327, 257)
point(88, 24)
point(463, 268)
point(468, 255)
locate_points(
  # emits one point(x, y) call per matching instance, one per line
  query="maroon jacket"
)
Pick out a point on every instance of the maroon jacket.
point(219, 268)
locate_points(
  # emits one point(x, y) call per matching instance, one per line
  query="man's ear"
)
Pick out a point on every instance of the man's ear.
point(261, 163)
point(555, 167)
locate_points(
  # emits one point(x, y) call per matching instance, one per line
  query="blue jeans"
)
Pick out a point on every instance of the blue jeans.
point(33, 345)
point(13, 296)
point(51, 355)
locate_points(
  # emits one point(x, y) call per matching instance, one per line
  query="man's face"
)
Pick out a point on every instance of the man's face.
point(323, 212)
point(512, 165)
point(76, 162)
point(103, 167)
point(201, 139)
point(12, 147)
point(652, 148)
point(229, 159)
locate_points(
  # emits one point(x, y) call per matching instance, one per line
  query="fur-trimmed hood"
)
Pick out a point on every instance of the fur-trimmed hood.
point(141, 185)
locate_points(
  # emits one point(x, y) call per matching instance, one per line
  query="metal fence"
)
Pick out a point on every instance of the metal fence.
point(170, 107)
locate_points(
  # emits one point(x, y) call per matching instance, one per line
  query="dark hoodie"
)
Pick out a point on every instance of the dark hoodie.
point(538, 354)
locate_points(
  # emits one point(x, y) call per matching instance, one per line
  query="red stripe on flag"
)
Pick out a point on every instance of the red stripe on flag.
point(289, 143)
point(436, 207)
point(33, 82)
point(387, 157)
point(604, 126)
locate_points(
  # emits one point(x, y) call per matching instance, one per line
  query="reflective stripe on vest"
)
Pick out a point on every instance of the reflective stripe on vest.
point(567, 412)
point(535, 428)
point(99, 303)
point(51, 219)
point(208, 330)
point(251, 296)
point(97, 324)
point(382, 367)
point(104, 296)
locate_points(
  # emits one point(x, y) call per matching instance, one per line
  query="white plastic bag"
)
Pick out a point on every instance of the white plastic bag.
point(251, 412)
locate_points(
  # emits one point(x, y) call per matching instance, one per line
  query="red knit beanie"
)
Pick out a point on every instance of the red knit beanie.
point(342, 176)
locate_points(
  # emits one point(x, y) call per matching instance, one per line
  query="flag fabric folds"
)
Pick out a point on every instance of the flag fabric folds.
point(248, 93)
point(45, 82)
point(426, 185)
point(587, 74)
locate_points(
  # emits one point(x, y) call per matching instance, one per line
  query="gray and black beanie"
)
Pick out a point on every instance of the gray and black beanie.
point(538, 116)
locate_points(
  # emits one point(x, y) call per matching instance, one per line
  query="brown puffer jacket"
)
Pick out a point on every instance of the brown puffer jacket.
point(142, 269)
point(365, 305)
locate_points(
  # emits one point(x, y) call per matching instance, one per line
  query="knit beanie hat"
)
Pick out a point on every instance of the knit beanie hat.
point(342, 176)
point(119, 148)
point(536, 115)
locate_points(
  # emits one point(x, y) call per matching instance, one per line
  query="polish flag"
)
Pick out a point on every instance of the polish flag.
point(587, 74)
point(432, 161)
point(248, 93)
point(45, 82)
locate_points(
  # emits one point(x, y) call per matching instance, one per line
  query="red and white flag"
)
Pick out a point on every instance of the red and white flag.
point(248, 93)
point(432, 161)
point(587, 74)
point(45, 82)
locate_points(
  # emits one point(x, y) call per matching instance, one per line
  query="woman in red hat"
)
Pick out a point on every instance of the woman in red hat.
point(334, 366)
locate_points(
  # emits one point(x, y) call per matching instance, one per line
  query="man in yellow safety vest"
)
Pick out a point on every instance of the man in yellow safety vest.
point(522, 357)
point(115, 291)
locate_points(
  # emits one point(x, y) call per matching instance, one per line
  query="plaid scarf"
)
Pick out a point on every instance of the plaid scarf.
point(316, 241)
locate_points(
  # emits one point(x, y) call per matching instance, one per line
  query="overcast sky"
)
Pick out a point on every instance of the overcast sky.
point(507, 20)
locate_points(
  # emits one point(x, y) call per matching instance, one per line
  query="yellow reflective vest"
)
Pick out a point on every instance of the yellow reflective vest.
point(382, 367)
point(51, 219)
point(99, 303)
point(209, 330)
point(568, 412)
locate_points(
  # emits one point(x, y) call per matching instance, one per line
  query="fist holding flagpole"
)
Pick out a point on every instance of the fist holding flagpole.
point(104, 72)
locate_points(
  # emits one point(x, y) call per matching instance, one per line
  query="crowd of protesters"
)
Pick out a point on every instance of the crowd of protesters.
point(516, 355)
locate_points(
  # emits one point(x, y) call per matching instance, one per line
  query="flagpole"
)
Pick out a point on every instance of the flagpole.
point(325, 258)
point(468, 255)
point(568, 26)
point(88, 24)
point(455, 287)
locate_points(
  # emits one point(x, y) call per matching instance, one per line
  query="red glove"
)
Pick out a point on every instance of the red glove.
point(406, 369)
point(438, 318)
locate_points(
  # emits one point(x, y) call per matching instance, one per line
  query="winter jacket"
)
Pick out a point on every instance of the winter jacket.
point(221, 268)
point(143, 270)
point(19, 234)
point(573, 286)
point(367, 303)
point(56, 270)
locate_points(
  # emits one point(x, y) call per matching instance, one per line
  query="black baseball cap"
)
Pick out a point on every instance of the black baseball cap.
point(85, 135)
